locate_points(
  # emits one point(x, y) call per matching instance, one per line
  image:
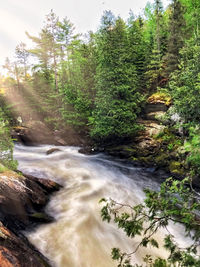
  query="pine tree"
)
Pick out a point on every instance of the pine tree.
point(137, 47)
point(154, 68)
point(77, 77)
point(22, 55)
point(116, 104)
point(176, 36)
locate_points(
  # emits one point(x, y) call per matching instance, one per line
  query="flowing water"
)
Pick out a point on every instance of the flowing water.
point(78, 237)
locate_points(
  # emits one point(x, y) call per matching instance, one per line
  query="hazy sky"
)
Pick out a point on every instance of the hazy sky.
point(18, 16)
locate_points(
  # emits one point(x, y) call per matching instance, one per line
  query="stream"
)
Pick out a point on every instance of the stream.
point(78, 237)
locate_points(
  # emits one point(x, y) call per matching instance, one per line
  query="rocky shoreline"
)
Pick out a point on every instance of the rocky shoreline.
point(22, 201)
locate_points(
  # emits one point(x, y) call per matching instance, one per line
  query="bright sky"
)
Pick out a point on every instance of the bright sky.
point(18, 16)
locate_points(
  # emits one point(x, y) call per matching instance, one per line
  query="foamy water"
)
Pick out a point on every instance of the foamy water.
point(78, 237)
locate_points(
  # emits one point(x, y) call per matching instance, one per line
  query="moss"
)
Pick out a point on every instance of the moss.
point(162, 160)
point(160, 97)
point(176, 168)
point(3, 168)
point(146, 161)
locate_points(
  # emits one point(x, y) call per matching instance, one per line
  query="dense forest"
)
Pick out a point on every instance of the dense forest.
point(99, 84)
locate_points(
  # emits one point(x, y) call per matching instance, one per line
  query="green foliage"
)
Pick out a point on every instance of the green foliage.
point(176, 35)
point(193, 147)
point(185, 84)
point(6, 145)
point(177, 202)
point(117, 99)
point(77, 85)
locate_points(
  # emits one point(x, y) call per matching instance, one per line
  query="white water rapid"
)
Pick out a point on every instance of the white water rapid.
point(78, 237)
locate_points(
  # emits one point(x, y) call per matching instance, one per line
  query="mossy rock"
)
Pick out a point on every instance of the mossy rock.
point(162, 160)
point(160, 97)
point(176, 168)
point(146, 161)
point(3, 168)
point(123, 151)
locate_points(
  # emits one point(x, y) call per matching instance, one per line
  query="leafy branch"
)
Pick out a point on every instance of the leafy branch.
point(176, 201)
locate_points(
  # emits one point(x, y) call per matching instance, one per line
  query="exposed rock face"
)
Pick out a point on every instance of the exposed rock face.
point(36, 132)
point(156, 115)
point(15, 251)
point(156, 145)
point(21, 200)
point(155, 107)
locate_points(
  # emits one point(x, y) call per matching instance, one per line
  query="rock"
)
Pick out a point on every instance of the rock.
point(176, 169)
point(160, 98)
point(48, 185)
point(88, 150)
point(15, 251)
point(21, 196)
point(21, 200)
point(157, 115)
point(35, 132)
point(52, 150)
point(155, 107)
point(40, 217)
point(60, 141)
point(151, 128)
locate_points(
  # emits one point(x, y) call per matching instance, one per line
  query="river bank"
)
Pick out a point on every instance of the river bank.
point(22, 200)
point(159, 144)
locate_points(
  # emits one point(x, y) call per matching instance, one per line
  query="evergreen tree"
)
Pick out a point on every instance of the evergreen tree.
point(192, 16)
point(137, 47)
point(176, 36)
point(185, 84)
point(22, 56)
point(154, 67)
point(77, 77)
point(117, 99)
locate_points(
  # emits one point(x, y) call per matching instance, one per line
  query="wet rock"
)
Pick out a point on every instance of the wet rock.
point(52, 150)
point(21, 196)
point(22, 200)
point(88, 150)
point(60, 141)
point(48, 185)
point(16, 252)
point(40, 217)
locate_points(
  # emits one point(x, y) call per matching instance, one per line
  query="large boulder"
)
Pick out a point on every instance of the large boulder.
point(22, 199)
point(34, 132)
point(37, 132)
point(21, 196)
point(16, 252)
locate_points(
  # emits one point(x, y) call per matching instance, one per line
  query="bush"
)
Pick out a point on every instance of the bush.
point(6, 144)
